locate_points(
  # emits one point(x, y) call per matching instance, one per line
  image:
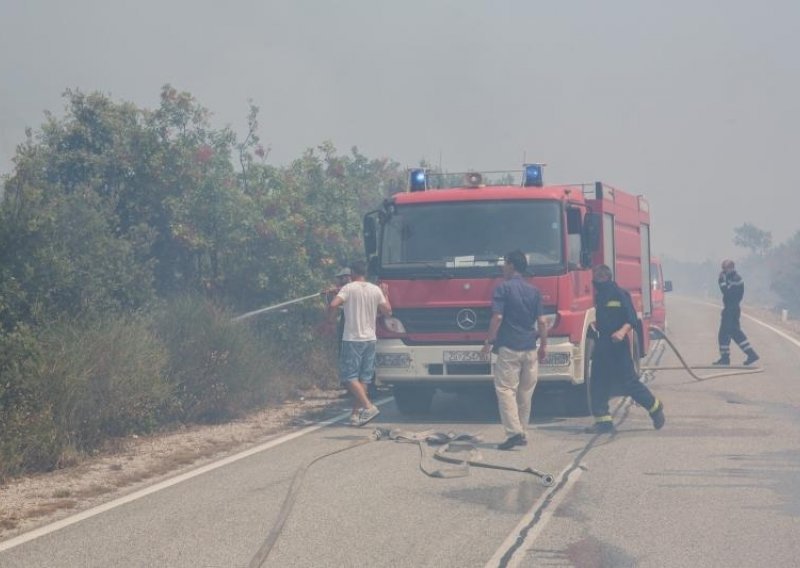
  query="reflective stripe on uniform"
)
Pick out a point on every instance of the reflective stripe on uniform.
point(606, 418)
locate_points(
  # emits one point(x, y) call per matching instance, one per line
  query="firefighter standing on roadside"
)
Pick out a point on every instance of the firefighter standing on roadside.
point(732, 287)
point(612, 363)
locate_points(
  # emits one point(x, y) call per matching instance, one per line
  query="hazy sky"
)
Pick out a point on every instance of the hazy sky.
point(694, 104)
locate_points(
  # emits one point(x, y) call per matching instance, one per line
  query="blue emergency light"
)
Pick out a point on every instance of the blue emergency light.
point(532, 175)
point(418, 180)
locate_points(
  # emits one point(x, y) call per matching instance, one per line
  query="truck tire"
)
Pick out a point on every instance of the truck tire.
point(578, 399)
point(413, 400)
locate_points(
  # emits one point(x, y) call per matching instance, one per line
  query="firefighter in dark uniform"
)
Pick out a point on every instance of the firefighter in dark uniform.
point(612, 363)
point(732, 287)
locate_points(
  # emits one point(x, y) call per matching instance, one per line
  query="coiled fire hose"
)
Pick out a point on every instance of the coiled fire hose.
point(447, 442)
point(684, 366)
point(449, 446)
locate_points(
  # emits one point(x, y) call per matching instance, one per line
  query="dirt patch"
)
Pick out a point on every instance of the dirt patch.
point(136, 462)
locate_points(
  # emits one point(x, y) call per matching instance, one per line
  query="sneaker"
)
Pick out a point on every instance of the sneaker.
point(751, 358)
point(606, 427)
point(515, 440)
point(658, 417)
point(368, 414)
point(355, 419)
point(722, 361)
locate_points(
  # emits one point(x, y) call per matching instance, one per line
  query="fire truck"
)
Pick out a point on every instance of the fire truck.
point(440, 249)
point(660, 287)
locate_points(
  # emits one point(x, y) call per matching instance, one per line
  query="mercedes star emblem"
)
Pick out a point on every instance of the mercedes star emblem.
point(466, 319)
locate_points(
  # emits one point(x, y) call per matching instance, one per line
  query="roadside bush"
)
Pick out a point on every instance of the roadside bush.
point(29, 440)
point(217, 368)
point(104, 379)
point(301, 345)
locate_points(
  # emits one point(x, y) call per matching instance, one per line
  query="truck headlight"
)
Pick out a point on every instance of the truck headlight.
point(394, 325)
point(550, 320)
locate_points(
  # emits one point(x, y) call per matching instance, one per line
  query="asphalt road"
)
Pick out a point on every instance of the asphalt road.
point(718, 486)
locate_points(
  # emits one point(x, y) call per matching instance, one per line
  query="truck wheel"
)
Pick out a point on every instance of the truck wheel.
point(577, 397)
point(413, 400)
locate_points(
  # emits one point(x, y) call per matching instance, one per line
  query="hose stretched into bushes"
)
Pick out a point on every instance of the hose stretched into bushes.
point(275, 307)
point(684, 366)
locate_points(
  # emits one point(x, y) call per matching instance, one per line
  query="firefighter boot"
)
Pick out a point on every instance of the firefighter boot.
point(723, 360)
point(657, 415)
point(752, 357)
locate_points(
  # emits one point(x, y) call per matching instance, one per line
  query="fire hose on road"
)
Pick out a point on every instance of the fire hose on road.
point(458, 450)
point(450, 445)
point(447, 442)
point(684, 366)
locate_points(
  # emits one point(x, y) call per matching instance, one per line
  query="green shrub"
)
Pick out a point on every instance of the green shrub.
point(300, 345)
point(217, 368)
point(104, 379)
point(29, 440)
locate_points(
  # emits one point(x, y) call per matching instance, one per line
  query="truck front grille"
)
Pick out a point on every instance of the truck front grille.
point(442, 320)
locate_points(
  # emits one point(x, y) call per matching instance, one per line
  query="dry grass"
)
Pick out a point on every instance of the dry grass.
point(50, 507)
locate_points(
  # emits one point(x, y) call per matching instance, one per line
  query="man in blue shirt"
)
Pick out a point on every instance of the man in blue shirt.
point(516, 312)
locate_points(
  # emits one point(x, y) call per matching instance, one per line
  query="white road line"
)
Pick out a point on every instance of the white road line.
point(783, 334)
point(546, 504)
point(82, 516)
point(780, 332)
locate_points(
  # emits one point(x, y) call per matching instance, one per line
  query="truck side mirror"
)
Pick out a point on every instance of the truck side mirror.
point(667, 285)
point(574, 221)
point(370, 231)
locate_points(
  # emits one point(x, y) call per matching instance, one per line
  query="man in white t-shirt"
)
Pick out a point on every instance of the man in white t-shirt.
point(361, 301)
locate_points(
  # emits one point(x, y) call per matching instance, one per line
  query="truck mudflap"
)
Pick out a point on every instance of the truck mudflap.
point(443, 366)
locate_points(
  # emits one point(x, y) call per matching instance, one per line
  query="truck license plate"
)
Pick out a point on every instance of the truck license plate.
point(466, 357)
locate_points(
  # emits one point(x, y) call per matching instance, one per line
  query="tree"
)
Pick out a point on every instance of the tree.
point(752, 238)
point(785, 272)
point(111, 206)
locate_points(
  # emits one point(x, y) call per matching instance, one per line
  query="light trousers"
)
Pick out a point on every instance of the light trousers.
point(515, 376)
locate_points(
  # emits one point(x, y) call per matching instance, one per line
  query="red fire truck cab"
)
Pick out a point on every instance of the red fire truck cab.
point(441, 252)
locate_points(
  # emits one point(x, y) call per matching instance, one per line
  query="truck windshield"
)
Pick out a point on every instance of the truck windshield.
point(453, 238)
